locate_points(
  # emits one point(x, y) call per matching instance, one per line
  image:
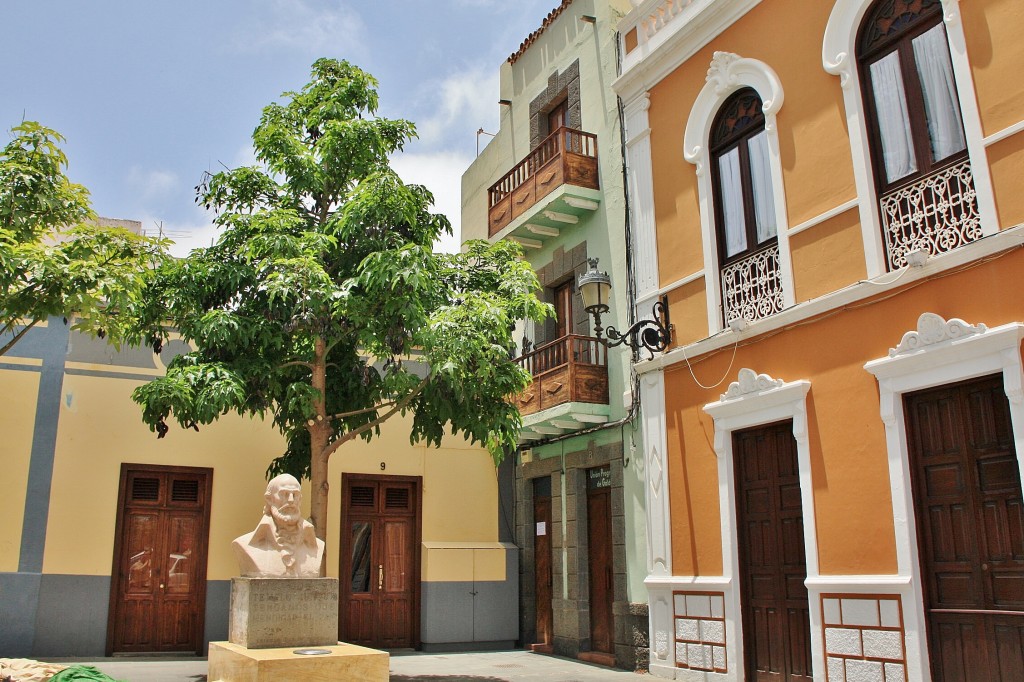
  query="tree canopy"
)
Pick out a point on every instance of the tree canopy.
point(322, 305)
point(52, 260)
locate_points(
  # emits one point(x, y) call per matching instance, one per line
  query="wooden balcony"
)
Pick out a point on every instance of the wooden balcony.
point(573, 369)
point(566, 157)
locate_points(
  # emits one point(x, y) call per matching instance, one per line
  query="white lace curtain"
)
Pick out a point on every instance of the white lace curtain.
point(942, 108)
point(760, 177)
point(893, 117)
point(732, 202)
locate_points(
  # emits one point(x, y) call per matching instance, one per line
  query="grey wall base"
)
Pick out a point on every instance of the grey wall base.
point(52, 615)
point(460, 615)
point(445, 647)
point(19, 601)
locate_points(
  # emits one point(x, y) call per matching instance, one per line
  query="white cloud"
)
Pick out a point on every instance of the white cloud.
point(152, 185)
point(195, 230)
point(309, 26)
point(441, 173)
point(466, 101)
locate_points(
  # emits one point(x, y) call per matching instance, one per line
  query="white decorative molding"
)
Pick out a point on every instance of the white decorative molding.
point(1008, 131)
point(748, 381)
point(932, 329)
point(838, 57)
point(822, 217)
point(944, 353)
point(668, 33)
point(657, 507)
point(727, 74)
point(758, 400)
point(640, 187)
point(1000, 242)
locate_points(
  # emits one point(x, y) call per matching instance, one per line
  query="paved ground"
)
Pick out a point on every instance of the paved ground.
point(500, 666)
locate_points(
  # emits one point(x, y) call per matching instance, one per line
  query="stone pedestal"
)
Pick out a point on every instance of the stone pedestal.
point(232, 663)
point(283, 612)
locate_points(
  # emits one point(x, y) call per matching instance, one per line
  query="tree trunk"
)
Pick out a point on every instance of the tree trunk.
point(319, 434)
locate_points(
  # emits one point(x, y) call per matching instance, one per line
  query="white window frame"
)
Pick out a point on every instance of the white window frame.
point(839, 57)
point(937, 353)
point(755, 400)
point(728, 73)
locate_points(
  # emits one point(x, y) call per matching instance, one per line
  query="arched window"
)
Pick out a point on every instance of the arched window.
point(744, 202)
point(909, 90)
point(746, 222)
point(915, 126)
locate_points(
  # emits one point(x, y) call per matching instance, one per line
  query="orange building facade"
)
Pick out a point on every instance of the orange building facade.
point(829, 194)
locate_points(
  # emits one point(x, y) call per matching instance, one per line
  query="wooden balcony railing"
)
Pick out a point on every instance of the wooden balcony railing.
point(571, 369)
point(566, 156)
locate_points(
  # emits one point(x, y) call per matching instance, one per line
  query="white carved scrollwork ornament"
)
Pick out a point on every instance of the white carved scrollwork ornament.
point(932, 329)
point(748, 381)
point(718, 72)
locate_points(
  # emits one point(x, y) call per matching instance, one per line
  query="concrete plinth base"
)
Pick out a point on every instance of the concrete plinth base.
point(232, 663)
point(283, 612)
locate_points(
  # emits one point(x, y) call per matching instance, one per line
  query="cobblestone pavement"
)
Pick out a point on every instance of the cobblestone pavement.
point(499, 666)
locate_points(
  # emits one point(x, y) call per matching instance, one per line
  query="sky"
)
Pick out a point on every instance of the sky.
point(150, 94)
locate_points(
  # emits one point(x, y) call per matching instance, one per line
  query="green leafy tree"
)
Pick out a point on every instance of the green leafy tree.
point(52, 261)
point(322, 303)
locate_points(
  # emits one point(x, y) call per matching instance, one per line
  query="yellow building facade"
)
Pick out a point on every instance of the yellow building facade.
point(118, 542)
point(829, 194)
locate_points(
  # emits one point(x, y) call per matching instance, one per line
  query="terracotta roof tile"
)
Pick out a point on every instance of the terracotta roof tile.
point(552, 15)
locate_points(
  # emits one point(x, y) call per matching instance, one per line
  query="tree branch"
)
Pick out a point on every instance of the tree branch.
point(402, 404)
point(297, 363)
point(17, 336)
point(342, 415)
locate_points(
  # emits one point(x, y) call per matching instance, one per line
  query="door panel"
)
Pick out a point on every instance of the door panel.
point(600, 563)
point(379, 604)
point(775, 609)
point(967, 495)
point(158, 587)
point(542, 569)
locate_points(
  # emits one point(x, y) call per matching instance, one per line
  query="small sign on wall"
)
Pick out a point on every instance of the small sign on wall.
point(542, 528)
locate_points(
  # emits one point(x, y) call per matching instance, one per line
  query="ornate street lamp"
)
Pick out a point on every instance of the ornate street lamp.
point(653, 335)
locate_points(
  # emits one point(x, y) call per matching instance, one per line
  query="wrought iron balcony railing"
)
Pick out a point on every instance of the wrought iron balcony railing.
point(752, 287)
point(566, 156)
point(570, 369)
point(937, 213)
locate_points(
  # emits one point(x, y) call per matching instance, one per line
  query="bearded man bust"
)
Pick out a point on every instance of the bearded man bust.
point(284, 545)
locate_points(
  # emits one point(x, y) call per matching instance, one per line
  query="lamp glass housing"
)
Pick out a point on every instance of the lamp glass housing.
point(595, 288)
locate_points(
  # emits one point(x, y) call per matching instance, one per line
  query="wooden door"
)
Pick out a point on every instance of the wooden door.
point(772, 563)
point(599, 558)
point(379, 604)
point(558, 117)
point(543, 577)
point(967, 495)
point(158, 585)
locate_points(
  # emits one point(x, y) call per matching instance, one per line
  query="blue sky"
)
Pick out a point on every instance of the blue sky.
point(152, 93)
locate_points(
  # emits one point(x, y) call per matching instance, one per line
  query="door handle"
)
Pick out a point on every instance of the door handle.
point(380, 576)
point(161, 586)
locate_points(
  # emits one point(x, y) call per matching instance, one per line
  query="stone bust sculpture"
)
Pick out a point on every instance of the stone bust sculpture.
point(283, 544)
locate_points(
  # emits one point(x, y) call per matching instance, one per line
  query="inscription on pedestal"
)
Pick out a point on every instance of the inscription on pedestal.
point(283, 612)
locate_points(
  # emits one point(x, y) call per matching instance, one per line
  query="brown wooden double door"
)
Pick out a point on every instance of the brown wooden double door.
point(772, 562)
point(158, 582)
point(970, 525)
point(380, 581)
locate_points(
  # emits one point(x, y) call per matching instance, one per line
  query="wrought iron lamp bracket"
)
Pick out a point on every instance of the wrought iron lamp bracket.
point(653, 335)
